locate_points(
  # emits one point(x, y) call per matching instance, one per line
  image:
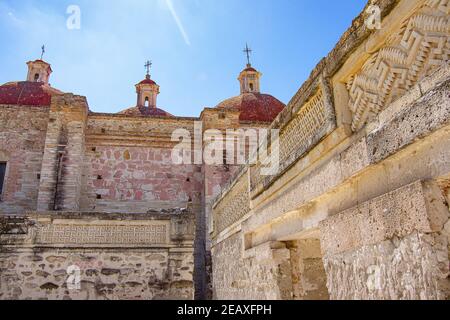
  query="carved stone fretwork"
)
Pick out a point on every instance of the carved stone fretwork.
point(233, 207)
point(152, 234)
point(301, 134)
point(420, 46)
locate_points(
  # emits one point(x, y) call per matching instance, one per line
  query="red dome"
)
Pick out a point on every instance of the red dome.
point(250, 69)
point(27, 93)
point(146, 111)
point(255, 106)
point(147, 81)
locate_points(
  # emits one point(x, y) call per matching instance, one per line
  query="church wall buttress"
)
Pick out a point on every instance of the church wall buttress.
point(60, 187)
point(22, 138)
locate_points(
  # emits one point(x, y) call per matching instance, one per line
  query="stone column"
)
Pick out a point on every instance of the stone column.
point(309, 280)
point(60, 185)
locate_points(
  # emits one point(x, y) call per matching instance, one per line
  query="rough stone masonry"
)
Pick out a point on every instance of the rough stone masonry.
point(91, 206)
point(360, 207)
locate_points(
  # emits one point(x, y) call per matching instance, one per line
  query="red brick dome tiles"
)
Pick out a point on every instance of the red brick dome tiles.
point(255, 106)
point(27, 93)
point(147, 81)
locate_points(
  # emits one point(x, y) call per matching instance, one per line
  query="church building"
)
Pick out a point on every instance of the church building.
point(100, 191)
point(93, 207)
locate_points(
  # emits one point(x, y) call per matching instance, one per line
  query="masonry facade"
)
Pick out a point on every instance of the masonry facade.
point(359, 208)
point(97, 199)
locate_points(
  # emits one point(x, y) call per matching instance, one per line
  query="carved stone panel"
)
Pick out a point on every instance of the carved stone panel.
point(420, 46)
point(103, 234)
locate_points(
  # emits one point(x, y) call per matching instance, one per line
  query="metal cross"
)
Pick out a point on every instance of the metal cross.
point(43, 51)
point(148, 65)
point(248, 51)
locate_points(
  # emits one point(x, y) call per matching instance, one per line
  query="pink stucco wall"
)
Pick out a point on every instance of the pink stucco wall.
point(143, 177)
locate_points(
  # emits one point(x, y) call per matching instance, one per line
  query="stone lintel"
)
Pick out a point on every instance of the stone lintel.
point(419, 207)
point(84, 230)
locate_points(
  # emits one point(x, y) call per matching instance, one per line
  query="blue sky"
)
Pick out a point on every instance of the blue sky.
point(196, 59)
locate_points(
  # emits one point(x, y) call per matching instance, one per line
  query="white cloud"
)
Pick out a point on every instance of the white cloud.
point(14, 19)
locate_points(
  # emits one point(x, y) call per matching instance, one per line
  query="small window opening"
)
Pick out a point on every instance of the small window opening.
point(39, 176)
point(99, 177)
point(2, 176)
point(36, 77)
point(99, 197)
point(147, 102)
point(94, 149)
point(251, 86)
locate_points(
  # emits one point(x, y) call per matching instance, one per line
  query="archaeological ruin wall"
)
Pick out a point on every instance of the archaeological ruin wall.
point(73, 256)
point(359, 206)
point(95, 199)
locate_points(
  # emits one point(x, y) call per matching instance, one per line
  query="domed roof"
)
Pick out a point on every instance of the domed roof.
point(146, 111)
point(254, 106)
point(27, 93)
point(250, 68)
point(147, 81)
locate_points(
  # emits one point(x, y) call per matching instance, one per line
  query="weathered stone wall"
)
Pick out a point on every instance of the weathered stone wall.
point(128, 166)
point(22, 139)
point(309, 280)
point(108, 274)
point(60, 185)
point(396, 240)
point(377, 113)
point(264, 274)
point(137, 179)
point(119, 256)
point(396, 269)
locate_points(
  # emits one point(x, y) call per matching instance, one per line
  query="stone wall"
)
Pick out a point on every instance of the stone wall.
point(309, 280)
point(136, 274)
point(137, 179)
point(60, 185)
point(395, 269)
point(122, 256)
point(264, 274)
point(395, 240)
point(366, 183)
point(22, 139)
point(128, 165)
point(128, 168)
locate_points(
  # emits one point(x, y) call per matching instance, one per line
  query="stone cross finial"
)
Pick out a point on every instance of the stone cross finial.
point(43, 51)
point(248, 51)
point(148, 65)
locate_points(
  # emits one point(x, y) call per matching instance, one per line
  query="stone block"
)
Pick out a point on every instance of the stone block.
point(417, 207)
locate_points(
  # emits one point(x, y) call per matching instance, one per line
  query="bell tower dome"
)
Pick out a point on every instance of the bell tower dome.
point(147, 90)
point(249, 78)
point(39, 70)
